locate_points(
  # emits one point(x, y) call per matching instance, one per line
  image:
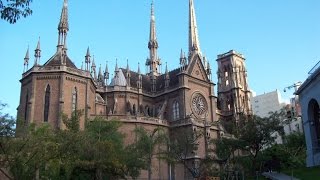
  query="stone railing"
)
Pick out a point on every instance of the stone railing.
point(137, 119)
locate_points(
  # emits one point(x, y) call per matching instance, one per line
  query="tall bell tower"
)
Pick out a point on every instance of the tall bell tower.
point(233, 89)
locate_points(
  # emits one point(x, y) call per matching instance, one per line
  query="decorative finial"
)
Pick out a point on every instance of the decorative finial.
point(116, 68)
point(166, 68)
point(26, 60)
point(37, 53)
point(139, 72)
point(38, 45)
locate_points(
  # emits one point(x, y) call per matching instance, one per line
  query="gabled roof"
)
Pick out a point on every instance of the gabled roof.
point(55, 60)
point(196, 62)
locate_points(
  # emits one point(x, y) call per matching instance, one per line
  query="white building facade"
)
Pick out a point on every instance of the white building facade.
point(265, 103)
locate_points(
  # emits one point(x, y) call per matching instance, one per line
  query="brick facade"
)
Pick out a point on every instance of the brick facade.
point(177, 99)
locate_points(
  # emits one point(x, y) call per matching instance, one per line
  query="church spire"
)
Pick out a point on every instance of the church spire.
point(100, 76)
point(63, 27)
point(116, 69)
point(153, 61)
point(128, 74)
point(93, 69)
point(37, 54)
point(106, 74)
point(139, 82)
point(139, 72)
point(194, 45)
point(26, 61)
point(87, 59)
point(183, 61)
point(167, 77)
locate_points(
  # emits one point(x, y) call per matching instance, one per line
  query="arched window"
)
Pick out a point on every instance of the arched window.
point(147, 110)
point(134, 110)
point(46, 104)
point(74, 99)
point(176, 114)
point(26, 107)
point(314, 117)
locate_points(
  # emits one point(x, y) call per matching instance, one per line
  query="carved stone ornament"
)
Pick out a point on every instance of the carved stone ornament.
point(199, 104)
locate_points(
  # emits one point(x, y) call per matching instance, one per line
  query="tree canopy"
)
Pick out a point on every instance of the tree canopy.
point(97, 152)
point(250, 136)
point(13, 10)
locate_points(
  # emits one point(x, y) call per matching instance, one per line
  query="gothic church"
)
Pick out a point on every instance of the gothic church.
point(181, 98)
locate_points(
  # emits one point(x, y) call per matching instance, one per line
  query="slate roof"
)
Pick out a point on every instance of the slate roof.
point(120, 80)
point(55, 60)
point(146, 81)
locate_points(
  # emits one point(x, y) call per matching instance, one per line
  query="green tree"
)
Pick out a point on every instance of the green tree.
point(7, 133)
point(97, 152)
point(7, 123)
point(184, 144)
point(149, 144)
point(13, 10)
point(25, 156)
point(291, 154)
point(250, 135)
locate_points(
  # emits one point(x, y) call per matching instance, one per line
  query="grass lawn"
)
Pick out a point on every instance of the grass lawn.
point(305, 173)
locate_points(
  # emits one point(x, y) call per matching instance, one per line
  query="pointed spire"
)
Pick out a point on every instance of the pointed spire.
point(38, 44)
point(194, 45)
point(167, 72)
point(153, 61)
point(26, 58)
point(93, 63)
point(153, 35)
point(128, 68)
point(183, 61)
point(167, 77)
point(87, 59)
point(139, 82)
point(37, 54)
point(88, 52)
point(128, 74)
point(63, 26)
point(100, 76)
point(209, 71)
point(26, 61)
point(100, 71)
point(204, 62)
point(106, 73)
point(93, 69)
point(106, 69)
point(116, 69)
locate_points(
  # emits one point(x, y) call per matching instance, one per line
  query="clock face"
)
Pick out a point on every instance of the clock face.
point(198, 104)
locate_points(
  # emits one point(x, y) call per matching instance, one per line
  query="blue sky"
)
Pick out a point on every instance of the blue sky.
point(279, 38)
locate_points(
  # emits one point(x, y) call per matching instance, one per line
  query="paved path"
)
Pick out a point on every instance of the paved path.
point(277, 176)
